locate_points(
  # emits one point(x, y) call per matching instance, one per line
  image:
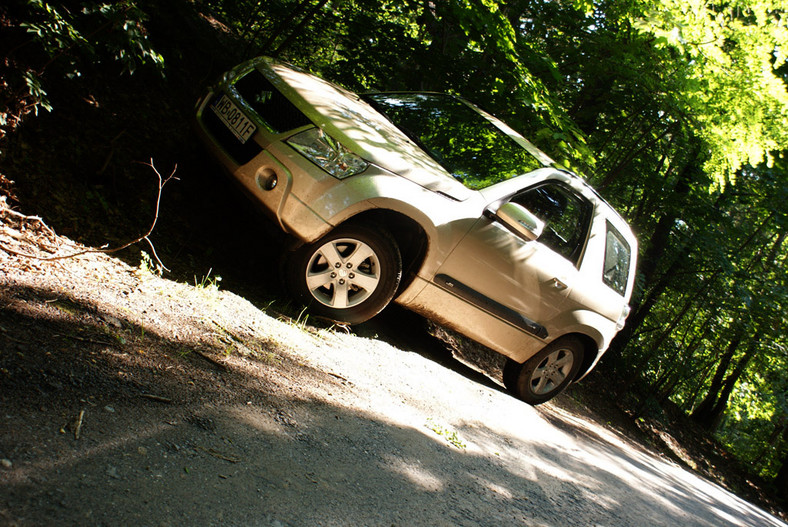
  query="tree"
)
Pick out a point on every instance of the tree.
point(63, 40)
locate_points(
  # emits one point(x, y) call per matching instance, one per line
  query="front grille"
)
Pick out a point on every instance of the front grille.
point(278, 112)
point(240, 153)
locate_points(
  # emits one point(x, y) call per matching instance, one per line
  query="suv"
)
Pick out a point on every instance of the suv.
point(426, 200)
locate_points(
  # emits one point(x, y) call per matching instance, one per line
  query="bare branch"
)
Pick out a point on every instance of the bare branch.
point(4, 209)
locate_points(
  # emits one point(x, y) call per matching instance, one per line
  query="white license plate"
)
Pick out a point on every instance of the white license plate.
point(234, 119)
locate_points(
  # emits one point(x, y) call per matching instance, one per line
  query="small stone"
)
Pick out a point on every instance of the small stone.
point(109, 409)
point(112, 321)
point(6, 463)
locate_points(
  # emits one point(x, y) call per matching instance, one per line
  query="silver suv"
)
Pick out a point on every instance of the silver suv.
point(426, 200)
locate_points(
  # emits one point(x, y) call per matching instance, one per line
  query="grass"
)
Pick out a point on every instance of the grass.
point(148, 266)
point(208, 283)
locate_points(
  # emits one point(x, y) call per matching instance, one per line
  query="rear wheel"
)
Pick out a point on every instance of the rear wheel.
point(547, 373)
point(349, 275)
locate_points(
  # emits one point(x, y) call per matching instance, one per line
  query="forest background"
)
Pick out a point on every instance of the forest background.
point(675, 110)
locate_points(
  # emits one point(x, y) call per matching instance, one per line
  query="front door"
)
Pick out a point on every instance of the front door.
point(524, 283)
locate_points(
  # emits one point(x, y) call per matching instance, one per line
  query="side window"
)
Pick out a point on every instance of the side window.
point(566, 216)
point(617, 258)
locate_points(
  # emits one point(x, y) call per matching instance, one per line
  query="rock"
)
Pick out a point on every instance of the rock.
point(112, 321)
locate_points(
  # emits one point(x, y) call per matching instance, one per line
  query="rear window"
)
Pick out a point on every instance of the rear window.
point(618, 256)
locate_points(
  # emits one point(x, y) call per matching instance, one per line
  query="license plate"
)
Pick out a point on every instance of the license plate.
point(234, 119)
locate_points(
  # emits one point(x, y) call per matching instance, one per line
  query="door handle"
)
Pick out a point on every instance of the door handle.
point(558, 284)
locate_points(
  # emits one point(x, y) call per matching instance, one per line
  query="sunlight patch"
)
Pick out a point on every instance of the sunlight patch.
point(417, 475)
point(253, 417)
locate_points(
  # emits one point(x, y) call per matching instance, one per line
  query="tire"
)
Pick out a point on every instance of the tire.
point(511, 371)
point(349, 275)
point(547, 373)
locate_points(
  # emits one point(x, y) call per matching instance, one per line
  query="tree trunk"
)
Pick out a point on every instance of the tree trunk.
point(703, 411)
point(643, 309)
point(709, 413)
point(297, 30)
point(287, 23)
point(780, 431)
point(650, 263)
point(665, 333)
point(637, 148)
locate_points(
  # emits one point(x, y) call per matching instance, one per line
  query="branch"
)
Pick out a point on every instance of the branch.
point(162, 181)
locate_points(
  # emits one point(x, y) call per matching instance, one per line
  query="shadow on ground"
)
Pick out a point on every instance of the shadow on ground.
point(110, 423)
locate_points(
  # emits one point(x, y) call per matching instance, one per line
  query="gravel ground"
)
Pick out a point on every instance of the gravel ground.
point(129, 399)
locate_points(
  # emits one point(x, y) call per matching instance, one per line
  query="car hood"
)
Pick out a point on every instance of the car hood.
point(350, 120)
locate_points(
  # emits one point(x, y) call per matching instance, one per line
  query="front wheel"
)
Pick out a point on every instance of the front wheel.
point(547, 373)
point(349, 275)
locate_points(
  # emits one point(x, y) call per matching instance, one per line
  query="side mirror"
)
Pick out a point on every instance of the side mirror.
point(519, 220)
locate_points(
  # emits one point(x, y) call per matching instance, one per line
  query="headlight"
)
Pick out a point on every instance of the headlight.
point(321, 149)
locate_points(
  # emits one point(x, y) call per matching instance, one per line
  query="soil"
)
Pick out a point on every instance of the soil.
point(128, 398)
point(202, 396)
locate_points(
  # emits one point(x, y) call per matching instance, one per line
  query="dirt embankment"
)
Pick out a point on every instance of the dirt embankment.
point(131, 399)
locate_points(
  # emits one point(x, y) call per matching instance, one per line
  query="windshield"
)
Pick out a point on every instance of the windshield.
point(464, 142)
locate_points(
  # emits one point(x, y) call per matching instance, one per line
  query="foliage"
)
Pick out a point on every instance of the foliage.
point(208, 283)
point(731, 93)
point(755, 424)
point(64, 40)
point(148, 267)
point(394, 45)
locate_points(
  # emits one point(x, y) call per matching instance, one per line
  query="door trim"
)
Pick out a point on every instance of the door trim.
point(489, 305)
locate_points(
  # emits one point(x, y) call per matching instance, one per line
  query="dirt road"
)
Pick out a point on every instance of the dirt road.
point(127, 399)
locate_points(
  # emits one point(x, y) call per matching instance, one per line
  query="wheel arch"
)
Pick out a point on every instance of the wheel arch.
point(590, 353)
point(410, 236)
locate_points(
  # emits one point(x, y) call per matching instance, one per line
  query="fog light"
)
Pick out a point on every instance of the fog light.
point(267, 179)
